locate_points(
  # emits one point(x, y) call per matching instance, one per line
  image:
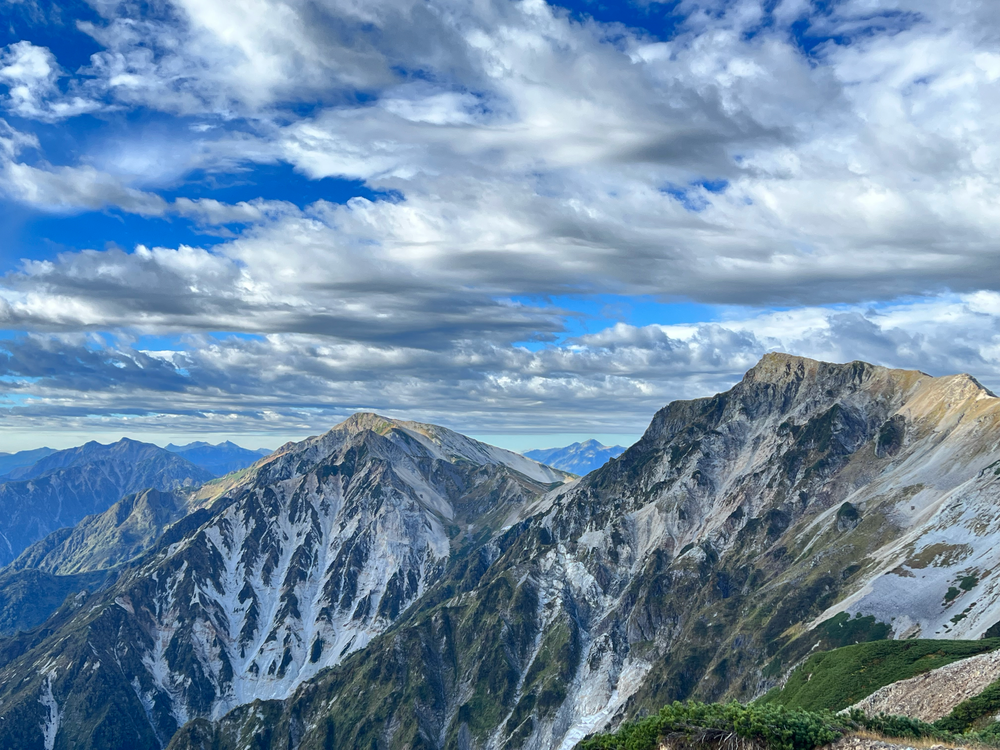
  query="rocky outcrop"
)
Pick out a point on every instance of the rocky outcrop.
point(933, 695)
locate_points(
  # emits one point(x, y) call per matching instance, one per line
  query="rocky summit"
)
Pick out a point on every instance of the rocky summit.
point(398, 585)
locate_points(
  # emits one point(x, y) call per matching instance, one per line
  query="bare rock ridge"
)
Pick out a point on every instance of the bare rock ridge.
point(397, 584)
point(932, 695)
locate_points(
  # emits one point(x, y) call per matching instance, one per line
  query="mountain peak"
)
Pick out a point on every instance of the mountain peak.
point(367, 420)
point(781, 368)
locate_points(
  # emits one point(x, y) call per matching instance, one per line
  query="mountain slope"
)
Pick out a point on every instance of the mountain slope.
point(62, 488)
point(11, 461)
point(578, 458)
point(126, 529)
point(220, 459)
point(315, 551)
point(29, 597)
point(696, 564)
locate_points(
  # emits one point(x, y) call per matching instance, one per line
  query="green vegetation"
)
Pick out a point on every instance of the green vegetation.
point(776, 727)
point(971, 713)
point(834, 680)
point(770, 726)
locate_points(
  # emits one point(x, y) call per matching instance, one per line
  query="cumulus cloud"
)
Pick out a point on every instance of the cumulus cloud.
point(31, 76)
point(793, 156)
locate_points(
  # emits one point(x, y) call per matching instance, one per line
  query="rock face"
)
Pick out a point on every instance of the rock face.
point(318, 550)
point(932, 695)
point(578, 458)
point(462, 599)
point(60, 489)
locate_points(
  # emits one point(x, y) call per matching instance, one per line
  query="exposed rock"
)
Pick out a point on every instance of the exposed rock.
point(933, 695)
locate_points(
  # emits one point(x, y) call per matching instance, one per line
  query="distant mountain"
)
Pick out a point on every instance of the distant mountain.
point(61, 488)
point(578, 458)
point(11, 461)
point(219, 459)
point(126, 529)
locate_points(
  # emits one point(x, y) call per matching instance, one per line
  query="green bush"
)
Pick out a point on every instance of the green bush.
point(777, 727)
point(968, 712)
point(773, 726)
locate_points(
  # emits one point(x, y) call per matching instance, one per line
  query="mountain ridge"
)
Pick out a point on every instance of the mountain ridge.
point(60, 489)
point(220, 459)
point(437, 596)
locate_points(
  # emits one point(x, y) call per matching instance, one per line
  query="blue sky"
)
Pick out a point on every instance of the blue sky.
point(530, 222)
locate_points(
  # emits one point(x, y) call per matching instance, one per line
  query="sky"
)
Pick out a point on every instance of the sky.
point(531, 222)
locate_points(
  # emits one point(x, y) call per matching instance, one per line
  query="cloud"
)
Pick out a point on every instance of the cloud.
point(608, 382)
point(31, 76)
point(848, 161)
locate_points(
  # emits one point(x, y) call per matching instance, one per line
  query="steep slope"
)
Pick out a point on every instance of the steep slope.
point(126, 529)
point(220, 459)
point(933, 695)
point(311, 554)
point(29, 597)
point(578, 458)
point(11, 461)
point(693, 565)
point(62, 488)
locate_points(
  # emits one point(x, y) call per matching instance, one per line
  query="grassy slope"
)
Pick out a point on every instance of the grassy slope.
point(836, 679)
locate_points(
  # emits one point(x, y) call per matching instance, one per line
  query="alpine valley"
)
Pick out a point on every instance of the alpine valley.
point(391, 584)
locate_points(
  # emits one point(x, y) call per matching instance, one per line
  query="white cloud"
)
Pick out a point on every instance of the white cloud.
point(609, 382)
point(529, 154)
point(30, 74)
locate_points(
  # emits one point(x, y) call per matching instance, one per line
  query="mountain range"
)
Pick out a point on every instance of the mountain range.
point(395, 584)
point(220, 459)
point(60, 489)
point(578, 458)
point(11, 461)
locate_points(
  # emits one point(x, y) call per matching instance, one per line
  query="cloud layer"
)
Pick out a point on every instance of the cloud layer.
point(835, 161)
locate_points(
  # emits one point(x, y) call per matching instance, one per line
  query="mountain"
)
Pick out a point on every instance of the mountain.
point(310, 555)
point(395, 585)
point(101, 541)
point(60, 489)
point(11, 461)
point(578, 458)
point(29, 597)
point(220, 459)
point(739, 534)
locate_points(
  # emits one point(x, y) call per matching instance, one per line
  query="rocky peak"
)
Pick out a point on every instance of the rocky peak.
point(366, 420)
